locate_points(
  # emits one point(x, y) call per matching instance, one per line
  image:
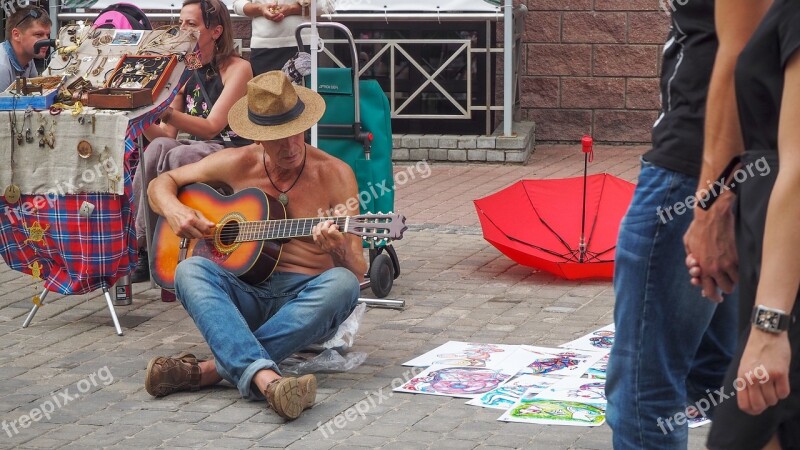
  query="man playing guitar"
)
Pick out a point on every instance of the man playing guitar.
point(315, 285)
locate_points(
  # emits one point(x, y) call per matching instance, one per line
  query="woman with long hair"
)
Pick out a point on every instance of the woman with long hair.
point(220, 82)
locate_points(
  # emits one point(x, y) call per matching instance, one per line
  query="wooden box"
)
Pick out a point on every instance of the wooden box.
point(117, 98)
point(149, 72)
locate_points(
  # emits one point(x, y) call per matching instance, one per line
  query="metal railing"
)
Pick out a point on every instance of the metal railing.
point(465, 49)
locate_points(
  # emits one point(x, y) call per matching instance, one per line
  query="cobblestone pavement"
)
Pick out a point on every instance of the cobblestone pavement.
point(455, 285)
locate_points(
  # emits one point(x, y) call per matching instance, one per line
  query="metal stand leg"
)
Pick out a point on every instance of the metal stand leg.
point(35, 308)
point(110, 304)
point(383, 303)
point(149, 227)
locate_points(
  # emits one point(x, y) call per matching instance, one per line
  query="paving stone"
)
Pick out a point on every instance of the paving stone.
point(216, 427)
point(232, 443)
point(44, 442)
point(448, 141)
point(251, 431)
point(476, 155)
point(208, 405)
point(280, 438)
point(454, 444)
point(418, 154)
point(400, 154)
point(234, 414)
point(191, 438)
point(312, 443)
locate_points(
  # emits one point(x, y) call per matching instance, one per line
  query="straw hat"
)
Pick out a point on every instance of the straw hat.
point(274, 108)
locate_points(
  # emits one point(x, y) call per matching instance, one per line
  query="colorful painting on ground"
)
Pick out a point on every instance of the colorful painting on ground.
point(456, 381)
point(582, 390)
point(532, 409)
point(698, 421)
point(560, 361)
point(505, 395)
point(465, 354)
point(601, 339)
point(598, 370)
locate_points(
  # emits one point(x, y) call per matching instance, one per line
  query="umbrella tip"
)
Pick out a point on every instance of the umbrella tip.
point(587, 142)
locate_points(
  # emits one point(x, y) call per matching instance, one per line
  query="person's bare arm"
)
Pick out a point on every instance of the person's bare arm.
point(710, 239)
point(780, 260)
point(235, 87)
point(164, 129)
point(345, 249)
point(215, 169)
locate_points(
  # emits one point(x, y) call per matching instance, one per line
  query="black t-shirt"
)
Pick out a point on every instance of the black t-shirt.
point(759, 74)
point(685, 73)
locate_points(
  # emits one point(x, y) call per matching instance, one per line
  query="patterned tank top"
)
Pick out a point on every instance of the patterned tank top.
point(197, 105)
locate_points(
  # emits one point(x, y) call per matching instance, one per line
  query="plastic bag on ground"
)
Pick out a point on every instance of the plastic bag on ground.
point(331, 355)
point(346, 334)
point(328, 361)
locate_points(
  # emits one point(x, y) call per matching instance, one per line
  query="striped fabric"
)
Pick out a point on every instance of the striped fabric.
point(76, 254)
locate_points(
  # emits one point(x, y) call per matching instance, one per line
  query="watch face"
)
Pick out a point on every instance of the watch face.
point(770, 319)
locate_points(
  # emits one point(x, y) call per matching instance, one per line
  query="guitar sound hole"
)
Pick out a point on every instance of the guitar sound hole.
point(229, 233)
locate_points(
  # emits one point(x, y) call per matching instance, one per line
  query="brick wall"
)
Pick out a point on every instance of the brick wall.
point(591, 66)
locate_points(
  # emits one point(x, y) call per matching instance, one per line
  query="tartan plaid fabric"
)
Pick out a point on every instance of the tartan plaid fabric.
point(76, 254)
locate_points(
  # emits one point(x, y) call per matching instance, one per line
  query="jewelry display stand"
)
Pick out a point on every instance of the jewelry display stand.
point(66, 173)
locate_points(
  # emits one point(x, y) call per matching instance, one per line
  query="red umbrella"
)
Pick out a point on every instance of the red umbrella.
point(541, 224)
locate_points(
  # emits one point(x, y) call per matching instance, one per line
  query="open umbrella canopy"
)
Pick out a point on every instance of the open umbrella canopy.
point(537, 223)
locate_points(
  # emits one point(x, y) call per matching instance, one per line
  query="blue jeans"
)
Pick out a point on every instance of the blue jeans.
point(671, 344)
point(250, 328)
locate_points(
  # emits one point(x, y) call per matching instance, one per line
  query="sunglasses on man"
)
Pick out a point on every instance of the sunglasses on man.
point(34, 13)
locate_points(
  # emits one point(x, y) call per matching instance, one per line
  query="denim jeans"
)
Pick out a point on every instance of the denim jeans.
point(250, 328)
point(671, 345)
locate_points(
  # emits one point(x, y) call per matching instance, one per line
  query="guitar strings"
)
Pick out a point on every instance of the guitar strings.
point(269, 226)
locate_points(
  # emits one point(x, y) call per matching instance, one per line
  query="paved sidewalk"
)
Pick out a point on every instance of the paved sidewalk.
point(455, 285)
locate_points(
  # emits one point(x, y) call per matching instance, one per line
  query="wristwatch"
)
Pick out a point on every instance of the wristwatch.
point(770, 320)
point(304, 5)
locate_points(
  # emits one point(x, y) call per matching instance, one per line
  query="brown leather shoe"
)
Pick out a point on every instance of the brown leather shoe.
point(289, 396)
point(167, 375)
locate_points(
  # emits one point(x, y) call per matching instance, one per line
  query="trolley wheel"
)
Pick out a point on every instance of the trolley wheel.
point(381, 276)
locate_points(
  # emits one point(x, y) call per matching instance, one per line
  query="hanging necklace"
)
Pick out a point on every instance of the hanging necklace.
point(283, 198)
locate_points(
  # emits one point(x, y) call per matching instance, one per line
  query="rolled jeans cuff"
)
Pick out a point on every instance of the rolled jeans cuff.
point(245, 385)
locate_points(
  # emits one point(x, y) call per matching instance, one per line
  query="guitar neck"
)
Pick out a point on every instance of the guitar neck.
point(263, 230)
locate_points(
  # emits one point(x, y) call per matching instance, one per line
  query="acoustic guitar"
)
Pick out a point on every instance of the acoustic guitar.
point(250, 232)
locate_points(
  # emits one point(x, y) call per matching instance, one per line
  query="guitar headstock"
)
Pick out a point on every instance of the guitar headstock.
point(378, 226)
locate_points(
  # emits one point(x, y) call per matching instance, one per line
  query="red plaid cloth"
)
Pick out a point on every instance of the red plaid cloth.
point(76, 254)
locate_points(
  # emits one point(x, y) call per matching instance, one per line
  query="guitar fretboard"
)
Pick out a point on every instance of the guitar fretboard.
point(260, 230)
